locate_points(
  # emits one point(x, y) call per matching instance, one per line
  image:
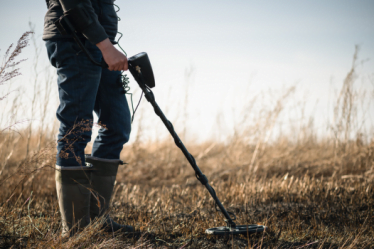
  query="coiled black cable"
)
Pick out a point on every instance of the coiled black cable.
point(123, 80)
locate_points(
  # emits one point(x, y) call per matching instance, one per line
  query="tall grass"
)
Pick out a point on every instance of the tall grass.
point(312, 191)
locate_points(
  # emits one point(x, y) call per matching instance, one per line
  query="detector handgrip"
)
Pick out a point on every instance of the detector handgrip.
point(141, 69)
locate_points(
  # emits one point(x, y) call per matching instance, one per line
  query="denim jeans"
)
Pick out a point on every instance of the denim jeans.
point(85, 88)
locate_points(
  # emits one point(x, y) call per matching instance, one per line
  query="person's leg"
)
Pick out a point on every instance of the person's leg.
point(103, 177)
point(113, 113)
point(78, 83)
point(73, 194)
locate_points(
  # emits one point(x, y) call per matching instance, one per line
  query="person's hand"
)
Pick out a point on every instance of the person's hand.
point(116, 60)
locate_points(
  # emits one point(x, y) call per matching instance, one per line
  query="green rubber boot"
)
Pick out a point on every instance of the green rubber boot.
point(103, 176)
point(72, 185)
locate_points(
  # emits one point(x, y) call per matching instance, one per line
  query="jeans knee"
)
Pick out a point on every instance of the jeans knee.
point(121, 134)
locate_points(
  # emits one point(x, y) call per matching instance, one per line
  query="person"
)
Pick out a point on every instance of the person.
point(84, 192)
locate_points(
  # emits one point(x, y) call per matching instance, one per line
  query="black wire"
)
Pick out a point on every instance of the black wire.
point(132, 107)
point(124, 80)
point(124, 83)
point(118, 9)
point(141, 96)
point(119, 44)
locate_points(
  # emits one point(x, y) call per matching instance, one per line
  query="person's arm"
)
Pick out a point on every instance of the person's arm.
point(115, 59)
point(96, 34)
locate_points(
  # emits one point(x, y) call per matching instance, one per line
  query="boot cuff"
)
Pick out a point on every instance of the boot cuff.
point(103, 167)
point(73, 175)
point(58, 167)
point(91, 159)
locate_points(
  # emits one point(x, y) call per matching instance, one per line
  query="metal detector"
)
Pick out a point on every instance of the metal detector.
point(141, 69)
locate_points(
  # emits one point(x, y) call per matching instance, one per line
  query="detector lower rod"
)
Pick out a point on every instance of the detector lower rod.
point(200, 176)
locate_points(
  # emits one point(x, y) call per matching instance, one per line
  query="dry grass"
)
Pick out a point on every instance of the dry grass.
point(312, 192)
point(302, 193)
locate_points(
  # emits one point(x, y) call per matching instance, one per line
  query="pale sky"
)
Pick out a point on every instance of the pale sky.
point(229, 45)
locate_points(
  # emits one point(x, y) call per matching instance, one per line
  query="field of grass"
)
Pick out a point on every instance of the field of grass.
point(310, 191)
point(307, 194)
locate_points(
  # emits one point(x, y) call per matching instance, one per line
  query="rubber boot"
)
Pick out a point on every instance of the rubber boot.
point(103, 176)
point(72, 185)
